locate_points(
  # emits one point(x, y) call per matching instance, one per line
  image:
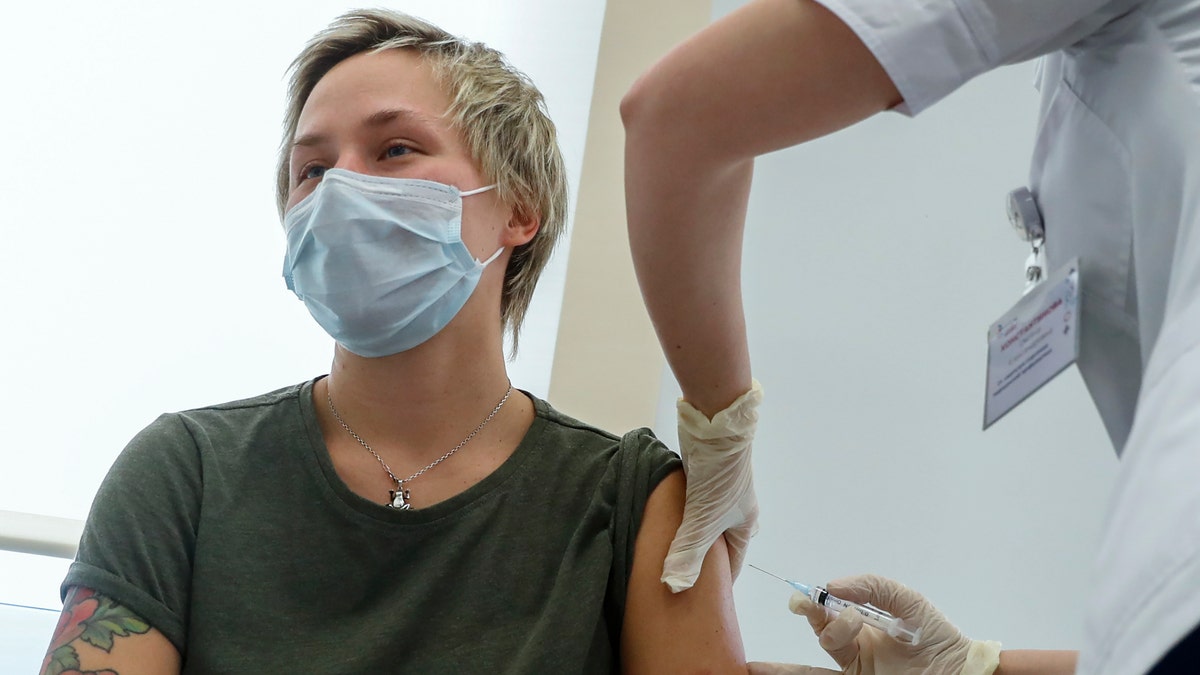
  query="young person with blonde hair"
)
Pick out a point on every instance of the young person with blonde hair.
point(411, 511)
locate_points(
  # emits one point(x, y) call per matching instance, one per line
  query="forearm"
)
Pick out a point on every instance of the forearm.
point(685, 230)
point(1036, 662)
point(686, 188)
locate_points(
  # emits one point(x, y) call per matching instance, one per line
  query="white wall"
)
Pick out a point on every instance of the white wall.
point(875, 260)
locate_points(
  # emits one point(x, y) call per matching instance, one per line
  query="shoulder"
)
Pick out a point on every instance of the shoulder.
point(285, 399)
point(628, 450)
point(173, 446)
point(277, 411)
point(561, 423)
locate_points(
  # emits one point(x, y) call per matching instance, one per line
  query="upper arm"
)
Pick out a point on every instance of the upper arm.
point(776, 73)
point(692, 631)
point(96, 634)
point(770, 75)
point(140, 537)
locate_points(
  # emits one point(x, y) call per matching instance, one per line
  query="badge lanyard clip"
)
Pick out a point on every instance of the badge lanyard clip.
point(1035, 265)
point(1025, 218)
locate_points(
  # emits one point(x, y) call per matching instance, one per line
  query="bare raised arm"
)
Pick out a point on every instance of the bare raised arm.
point(96, 635)
point(666, 633)
point(773, 74)
point(1037, 662)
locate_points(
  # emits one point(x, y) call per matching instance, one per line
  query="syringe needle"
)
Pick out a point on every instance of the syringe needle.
point(770, 575)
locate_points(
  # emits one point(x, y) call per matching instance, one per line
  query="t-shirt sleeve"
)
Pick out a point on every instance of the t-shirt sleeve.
point(643, 462)
point(138, 543)
point(929, 48)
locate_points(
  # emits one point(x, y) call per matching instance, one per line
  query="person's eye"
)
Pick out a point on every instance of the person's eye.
point(397, 150)
point(311, 171)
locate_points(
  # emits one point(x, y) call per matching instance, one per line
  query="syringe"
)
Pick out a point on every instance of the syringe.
point(897, 628)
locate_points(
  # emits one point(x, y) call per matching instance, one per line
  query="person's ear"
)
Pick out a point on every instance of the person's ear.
point(521, 227)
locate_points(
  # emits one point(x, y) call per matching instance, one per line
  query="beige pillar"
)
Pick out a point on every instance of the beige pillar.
point(607, 363)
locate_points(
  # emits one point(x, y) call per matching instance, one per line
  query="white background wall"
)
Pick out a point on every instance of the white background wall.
point(875, 260)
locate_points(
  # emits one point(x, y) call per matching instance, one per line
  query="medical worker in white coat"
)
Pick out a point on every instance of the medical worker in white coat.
point(1115, 173)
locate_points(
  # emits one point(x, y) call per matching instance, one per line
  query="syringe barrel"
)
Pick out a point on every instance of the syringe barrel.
point(897, 628)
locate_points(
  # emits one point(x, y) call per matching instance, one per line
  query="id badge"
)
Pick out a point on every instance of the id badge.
point(1033, 342)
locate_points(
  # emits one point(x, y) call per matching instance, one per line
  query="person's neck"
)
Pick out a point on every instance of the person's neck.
point(418, 400)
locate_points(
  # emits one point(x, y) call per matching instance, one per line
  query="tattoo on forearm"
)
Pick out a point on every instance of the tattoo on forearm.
point(96, 620)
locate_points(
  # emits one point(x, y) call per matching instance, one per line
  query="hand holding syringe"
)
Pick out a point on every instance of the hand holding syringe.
point(893, 626)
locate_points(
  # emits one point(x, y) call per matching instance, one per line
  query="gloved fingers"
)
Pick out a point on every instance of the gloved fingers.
point(700, 528)
point(841, 632)
point(682, 567)
point(720, 488)
point(706, 516)
point(839, 638)
point(738, 540)
point(763, 668)
point(697, 533)
point(720, 498)
point(836, 634)
point(886, 594)
point(817, 617)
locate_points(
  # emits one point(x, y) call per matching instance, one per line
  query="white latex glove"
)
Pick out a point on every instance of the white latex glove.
point(720, 490)
point(942, 649)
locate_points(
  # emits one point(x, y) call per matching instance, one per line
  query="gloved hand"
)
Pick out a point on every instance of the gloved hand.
point(942, 648)
point(720, 491)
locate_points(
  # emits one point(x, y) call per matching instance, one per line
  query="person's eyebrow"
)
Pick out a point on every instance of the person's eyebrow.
point(377, 119)
point(309, 140)
point(384, 117)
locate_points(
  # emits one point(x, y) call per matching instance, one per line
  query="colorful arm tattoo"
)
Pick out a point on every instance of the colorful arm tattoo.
point(96, 620)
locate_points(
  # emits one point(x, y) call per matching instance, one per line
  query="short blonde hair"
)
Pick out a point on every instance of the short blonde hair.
point(497, 109)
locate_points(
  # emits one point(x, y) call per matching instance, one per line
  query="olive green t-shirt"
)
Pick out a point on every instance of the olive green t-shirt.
point(229, 531)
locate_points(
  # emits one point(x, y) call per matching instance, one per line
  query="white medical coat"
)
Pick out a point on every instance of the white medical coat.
point(1116, 174)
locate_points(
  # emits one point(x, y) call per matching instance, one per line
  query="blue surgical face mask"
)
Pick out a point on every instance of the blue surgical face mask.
point(380, 262)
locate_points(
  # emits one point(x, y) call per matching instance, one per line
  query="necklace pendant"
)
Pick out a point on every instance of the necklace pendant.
point(400, 497)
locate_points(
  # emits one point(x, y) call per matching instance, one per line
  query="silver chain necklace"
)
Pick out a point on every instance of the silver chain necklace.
point(400, 496)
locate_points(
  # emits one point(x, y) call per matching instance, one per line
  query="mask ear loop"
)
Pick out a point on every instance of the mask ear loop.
point(485, 263)
point(476, 191)
point(468, 193)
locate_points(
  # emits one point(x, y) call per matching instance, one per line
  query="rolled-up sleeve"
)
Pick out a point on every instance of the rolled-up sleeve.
point(139, 541)
point(931, 47)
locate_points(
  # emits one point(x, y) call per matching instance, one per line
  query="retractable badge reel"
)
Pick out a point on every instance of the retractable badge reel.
point(1025, 218)
point(1038, 338)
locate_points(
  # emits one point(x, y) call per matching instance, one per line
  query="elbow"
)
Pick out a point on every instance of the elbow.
point(652, 110)
point(637, 106)
point(663, 116)
point(658, 137)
